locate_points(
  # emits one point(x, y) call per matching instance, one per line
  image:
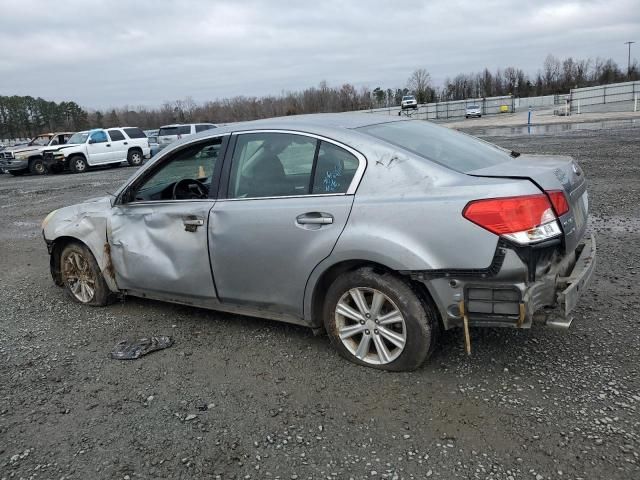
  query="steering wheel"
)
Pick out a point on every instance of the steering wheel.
point(189, 189)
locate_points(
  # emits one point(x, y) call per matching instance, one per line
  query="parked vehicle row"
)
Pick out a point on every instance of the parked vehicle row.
point(56, 152)
point(28, 158)
point(98, 147)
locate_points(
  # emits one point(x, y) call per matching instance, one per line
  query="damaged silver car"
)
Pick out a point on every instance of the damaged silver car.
point(379, 231)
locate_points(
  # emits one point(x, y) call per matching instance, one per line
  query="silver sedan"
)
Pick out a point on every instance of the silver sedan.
point(380, 231)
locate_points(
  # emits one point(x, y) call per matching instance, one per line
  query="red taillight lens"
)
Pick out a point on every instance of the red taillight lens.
point(559, 201)
point(510, 214)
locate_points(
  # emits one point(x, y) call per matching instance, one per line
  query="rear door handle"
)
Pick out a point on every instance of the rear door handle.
point(126, 143)
point(108, 145)
point(315, 218)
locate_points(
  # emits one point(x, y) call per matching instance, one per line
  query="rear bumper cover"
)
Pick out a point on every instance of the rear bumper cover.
point(501, 296)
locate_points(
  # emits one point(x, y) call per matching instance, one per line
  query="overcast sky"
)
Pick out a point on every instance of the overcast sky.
point(143, 52)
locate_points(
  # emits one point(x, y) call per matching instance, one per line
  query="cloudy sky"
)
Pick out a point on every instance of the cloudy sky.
point(143, 52)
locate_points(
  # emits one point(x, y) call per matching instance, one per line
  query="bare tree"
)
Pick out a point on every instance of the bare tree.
point(420, 83)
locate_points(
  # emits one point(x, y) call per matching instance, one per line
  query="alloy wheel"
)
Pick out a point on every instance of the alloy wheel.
point(79, 277)
point(370, 326)
point(79, 165)
point(136, 158)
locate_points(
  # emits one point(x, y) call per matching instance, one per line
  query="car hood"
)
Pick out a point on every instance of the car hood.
point(23, 149)
point(56, 148)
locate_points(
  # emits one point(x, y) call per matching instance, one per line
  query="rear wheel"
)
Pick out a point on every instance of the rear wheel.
point(134, 157)
point(378, 320)
point(81, 276)
point(78, 164)
point(36, 167)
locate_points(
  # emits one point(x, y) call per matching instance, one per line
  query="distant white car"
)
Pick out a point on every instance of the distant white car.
point(473, 111)
point(170, 133)
point(99, 147)
point(409, 102)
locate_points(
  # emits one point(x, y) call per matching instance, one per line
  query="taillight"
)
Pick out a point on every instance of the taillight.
point(559, 201)
point(524, 219)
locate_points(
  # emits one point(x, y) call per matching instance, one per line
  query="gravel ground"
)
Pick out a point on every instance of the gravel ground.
point(237, 397)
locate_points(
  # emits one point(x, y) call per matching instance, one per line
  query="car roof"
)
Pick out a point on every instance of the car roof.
point(310, 123)
point(186, 124)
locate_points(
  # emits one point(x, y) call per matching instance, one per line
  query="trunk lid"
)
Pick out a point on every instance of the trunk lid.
point(551, 172)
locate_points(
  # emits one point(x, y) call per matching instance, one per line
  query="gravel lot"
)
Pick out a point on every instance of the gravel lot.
point(237, 397)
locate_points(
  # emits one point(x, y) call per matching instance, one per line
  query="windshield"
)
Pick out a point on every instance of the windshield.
point(77, 138)
point(442, 145)
point(408, 97)
point(473, 107)
point(41, 141)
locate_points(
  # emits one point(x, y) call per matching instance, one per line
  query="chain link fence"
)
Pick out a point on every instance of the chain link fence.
point(615, 97)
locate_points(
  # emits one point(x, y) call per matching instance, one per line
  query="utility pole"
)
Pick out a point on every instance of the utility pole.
point(629, 59)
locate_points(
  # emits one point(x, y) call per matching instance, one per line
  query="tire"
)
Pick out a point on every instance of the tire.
point(78, 164)
point(83, 282)
point(134, 157)
point(37, 167)
point(17, 173)
point(411, 324)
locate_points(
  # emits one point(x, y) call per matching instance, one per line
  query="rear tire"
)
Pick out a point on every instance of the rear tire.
point(377, 320)
point(37, 167)
point(78, 164)
point(83, 282)
point(134, 157)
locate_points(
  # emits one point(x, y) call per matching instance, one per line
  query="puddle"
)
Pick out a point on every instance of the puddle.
point(552, 128)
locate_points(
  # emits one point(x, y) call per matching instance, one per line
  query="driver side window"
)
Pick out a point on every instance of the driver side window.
point(186, 175)
point(99, 137)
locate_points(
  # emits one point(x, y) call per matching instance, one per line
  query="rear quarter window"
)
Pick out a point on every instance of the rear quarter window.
point(447, 147)
point(202, 128)
point(135, 133)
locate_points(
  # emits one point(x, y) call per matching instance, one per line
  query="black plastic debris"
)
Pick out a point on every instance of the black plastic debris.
point(132, 349)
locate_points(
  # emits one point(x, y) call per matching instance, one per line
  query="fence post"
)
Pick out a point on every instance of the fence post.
point(604, 96)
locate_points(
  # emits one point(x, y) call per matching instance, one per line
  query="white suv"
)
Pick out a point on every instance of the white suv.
point(409, 101)
point(99, 147)
point(170, 133)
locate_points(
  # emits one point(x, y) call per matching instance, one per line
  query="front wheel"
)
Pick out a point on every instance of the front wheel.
point(78, 164)
point(81, 276)
point(134, 158)
point(36, 167)
point(378, 320)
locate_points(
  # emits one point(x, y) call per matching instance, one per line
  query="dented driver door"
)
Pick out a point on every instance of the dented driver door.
point(158, 230)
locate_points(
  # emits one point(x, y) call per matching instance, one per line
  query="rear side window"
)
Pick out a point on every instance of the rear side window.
point(442, 145)
point(335, 169)
point(135, 132)
point(272, 165)
point(116, 135)
point(184, 130)
point(165, 131)
point(202, 128)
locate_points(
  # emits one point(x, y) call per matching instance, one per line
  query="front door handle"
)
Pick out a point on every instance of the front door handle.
point(192, 223)
point(315, 218)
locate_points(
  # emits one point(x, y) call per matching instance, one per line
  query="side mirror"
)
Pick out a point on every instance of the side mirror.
point(91, 140)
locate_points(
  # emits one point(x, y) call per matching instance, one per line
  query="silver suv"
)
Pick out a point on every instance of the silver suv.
point(380, 232)
point(170, 133)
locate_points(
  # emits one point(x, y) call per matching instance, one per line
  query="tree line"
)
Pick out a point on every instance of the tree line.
point(28, 116)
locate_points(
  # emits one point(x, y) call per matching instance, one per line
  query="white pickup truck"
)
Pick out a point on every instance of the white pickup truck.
point(99, 147)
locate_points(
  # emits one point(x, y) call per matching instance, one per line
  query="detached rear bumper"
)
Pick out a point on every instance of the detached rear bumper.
point(500, 296)
point(571, 287)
